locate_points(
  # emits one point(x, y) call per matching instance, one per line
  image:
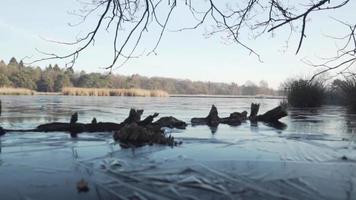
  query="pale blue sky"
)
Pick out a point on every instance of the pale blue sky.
point(180, 55)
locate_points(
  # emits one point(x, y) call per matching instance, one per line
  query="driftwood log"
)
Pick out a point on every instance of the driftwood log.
point(214, 120)
point(273, 115)
point(236, 118)
point(94, 126)
point(136, 135)
point(254, 111)
point(170, 122)
point(132, 130)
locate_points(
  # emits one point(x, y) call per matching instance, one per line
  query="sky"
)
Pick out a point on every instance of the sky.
point(186, 55)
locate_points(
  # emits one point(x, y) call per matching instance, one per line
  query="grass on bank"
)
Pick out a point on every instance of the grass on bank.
point(73, 91)
point(16, 91)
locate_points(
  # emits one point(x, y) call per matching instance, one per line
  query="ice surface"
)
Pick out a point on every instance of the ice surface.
point(313, 158)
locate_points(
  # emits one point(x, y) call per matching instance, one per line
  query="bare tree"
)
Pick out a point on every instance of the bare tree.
point(130, 20)
point(345, 57)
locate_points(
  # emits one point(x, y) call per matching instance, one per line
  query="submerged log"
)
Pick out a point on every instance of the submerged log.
point(52, 127)
point(94, 121)
point(254, 110)
point(94, 126)
point(148, 120)
point(74, 118)
point(134, 116)
point(136, 131)
point(2, 131)
point(133, 134)
point(170, 122)
point(236, 118)
point(273, 115)
point(78, 127)
point(131, 130)
point(213, 119)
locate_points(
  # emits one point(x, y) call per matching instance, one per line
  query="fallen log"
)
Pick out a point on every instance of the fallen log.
point(94, 126)
point(170, 122)
point(273, 115)
point(93, 121)
point(78, 127)
point(254, 110)
point(236, 118)
point(135, 135)
point(74, 118)
point(143, 131)
point(148, 120)
point(2, 131)
point(213, 119)
point(136, 131)
point(134, 116)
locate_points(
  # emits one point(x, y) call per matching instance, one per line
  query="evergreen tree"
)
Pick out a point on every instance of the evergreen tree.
point(21, 65)
point(13, 62)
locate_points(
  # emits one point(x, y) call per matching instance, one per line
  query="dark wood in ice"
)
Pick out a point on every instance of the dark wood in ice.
point(148, 120)
point(74, 118)
point(273, 115)
point(135, 131)
point(2, 131)
point(254, 110)
point(135, 135)
point(236, 118)
point(93, 121)
point(78, 127)
point(134, 116)
point(132, 131)
point(214, 120)
point(170, 122)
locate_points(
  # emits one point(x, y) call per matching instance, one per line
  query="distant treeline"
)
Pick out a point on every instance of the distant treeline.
point(53, 78)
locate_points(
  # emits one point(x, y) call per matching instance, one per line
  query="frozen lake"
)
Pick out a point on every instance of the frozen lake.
point(312, 157)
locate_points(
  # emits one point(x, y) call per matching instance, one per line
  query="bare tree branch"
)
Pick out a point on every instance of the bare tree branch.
point(129, 20)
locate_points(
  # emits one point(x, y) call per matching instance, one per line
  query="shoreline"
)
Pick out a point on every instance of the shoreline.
point(227, 96)
point(132, 92)
point(171, 96)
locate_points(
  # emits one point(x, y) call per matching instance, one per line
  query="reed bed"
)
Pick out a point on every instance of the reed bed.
point(134, 92)
point(16, 91)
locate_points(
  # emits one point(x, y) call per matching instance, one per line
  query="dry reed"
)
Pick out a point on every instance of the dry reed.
point(16, 91)
point(135, 92)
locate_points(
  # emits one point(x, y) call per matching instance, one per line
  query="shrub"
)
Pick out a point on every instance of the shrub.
point(348, 92)
point(305, 93)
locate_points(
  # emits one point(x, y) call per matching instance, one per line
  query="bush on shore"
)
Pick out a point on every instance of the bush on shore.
point(305, 93)
point(347, 91)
